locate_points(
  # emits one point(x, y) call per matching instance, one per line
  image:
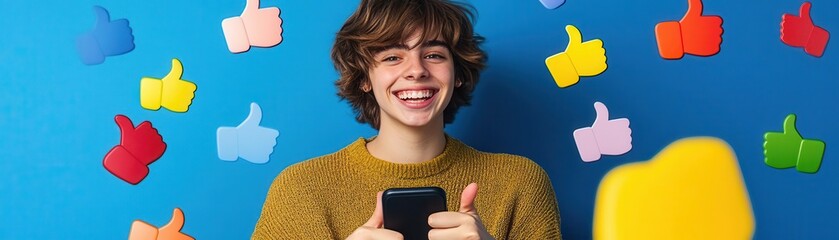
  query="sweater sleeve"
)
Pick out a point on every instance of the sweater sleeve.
point(536, 214)
point(289, 211)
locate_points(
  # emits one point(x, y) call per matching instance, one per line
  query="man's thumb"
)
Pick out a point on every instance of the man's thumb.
point(377, 220)
point(467, 199)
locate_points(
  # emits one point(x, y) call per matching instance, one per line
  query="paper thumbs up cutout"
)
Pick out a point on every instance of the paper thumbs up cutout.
point(171, 92)
point(249, 141)
point(579, 59)
point(138, 147)
point(604, 137)
point(108, 38)
point(695, 34)
point(693, 189)
point(172, 231)
point(261, 27)
point(801, 32)
point(788, 149)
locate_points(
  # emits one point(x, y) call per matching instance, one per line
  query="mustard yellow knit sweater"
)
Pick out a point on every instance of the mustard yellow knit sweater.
point(328, 197)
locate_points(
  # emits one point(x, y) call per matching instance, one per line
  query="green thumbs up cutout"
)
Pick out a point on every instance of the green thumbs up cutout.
point(788, 149)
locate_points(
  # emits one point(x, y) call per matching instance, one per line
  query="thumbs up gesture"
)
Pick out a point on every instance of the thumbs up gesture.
point(463, 224)
point(261, 27)
point(694, 34)
point(801, 32)
point(172, 231)
point(788, 149)
point(604, 137)
point(108, 38)
point(171, 92)
point(138, 147)
point(250, 141)
point(579, 59)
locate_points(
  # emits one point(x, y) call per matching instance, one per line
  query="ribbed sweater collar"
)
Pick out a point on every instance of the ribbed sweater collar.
point(361, 158)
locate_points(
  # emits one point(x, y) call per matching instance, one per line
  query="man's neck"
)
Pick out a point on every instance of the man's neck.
point(398, 143)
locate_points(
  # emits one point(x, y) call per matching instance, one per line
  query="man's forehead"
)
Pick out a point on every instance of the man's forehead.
point(413, 44)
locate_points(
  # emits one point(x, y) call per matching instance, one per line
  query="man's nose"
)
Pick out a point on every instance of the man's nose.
point(416, 69)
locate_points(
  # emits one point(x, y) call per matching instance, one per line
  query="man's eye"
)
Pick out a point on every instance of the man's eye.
point(390, 59)
point(437, 56)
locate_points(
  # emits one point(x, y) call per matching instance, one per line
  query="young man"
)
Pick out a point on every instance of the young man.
point(406, 66)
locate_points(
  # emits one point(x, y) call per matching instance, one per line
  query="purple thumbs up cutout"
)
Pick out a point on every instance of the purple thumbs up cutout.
point(108, 38)
point(604, 137)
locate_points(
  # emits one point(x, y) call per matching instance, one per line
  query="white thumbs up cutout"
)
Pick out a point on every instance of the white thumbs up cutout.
point(249, 141)
point(604, 137)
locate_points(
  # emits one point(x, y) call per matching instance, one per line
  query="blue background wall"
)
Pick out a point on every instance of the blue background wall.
point(57, 114)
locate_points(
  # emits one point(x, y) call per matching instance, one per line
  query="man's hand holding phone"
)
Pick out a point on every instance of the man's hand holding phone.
point(463, 224)
point(372, 229)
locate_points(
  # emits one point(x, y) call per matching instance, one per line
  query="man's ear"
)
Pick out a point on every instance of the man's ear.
point(365, 86)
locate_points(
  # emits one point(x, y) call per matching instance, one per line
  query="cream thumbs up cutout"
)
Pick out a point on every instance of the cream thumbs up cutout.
point(579, 59)
point(171, 92)
point(261, 27)
point(172, 231)
point(604, 137)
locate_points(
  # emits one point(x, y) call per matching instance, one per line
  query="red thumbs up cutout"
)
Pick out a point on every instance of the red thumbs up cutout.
point(138, 147)
point(801, 32)
point(694, 34)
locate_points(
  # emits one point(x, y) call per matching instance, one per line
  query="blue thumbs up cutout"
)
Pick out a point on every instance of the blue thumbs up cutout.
point(249, 141)
point(108, 38)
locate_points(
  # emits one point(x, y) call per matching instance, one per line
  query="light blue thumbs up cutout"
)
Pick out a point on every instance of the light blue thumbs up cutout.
point(248, 141)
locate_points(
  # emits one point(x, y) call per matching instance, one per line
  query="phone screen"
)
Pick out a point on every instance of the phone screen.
point(406, 210)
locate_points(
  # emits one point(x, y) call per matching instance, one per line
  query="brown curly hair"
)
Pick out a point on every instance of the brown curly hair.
point(377, 24)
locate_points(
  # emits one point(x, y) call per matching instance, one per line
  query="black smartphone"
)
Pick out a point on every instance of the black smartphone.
point(406, 210)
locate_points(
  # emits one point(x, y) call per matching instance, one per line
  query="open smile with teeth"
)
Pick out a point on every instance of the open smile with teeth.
point(415, 96)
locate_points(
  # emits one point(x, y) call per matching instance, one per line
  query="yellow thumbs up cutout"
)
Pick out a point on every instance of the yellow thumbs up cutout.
point(693, 189)
point(171, 92)
point(579, 59)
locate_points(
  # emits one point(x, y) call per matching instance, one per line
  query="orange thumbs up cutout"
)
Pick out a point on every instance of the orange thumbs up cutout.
point(172, 231)
point(694, 34)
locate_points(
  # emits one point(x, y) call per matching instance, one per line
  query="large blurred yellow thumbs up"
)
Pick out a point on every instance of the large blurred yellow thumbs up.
point(579, 59)
point(693, 189)
point(171, 92)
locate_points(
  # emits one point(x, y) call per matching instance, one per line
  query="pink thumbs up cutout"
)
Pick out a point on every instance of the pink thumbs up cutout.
point(260, 27)
point(604, 137)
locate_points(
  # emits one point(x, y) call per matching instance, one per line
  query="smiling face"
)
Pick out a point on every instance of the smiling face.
point(412, 86)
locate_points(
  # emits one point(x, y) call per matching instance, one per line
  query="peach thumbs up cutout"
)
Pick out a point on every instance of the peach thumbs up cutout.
point(261, 27)
point(694, 34)
point(579, 59)
point(171, 91)
point(172, 231)
point(604, 137)
point(693, 189)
